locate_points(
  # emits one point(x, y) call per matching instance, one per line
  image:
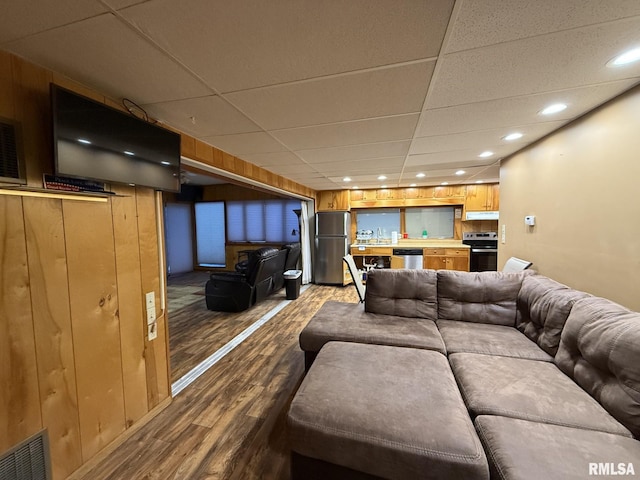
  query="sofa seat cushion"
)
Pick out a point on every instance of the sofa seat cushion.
point(481, 297)
point(348, 322)
point(530, 390)
point(386, 411)
point(519, 449)
point(543, 307)
point(488, 339)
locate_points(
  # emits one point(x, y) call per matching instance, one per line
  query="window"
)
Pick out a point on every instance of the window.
point(210, 241)
point(385, 219)
point(268, 221)
point(437, 221)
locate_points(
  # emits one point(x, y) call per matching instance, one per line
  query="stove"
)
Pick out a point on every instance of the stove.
point(484, 250)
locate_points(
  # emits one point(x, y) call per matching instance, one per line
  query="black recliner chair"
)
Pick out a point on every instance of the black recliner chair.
point(235, 292)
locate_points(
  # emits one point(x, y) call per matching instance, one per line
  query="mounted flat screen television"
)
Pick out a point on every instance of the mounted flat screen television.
point(93, 141)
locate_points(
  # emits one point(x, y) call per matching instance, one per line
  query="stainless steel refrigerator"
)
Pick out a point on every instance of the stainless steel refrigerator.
point(332, 243)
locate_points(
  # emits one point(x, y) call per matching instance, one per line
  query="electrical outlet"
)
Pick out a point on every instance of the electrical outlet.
point(504, 233)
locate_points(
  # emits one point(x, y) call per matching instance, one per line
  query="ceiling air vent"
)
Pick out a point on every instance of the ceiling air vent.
point(29, 460)
point(10, 167)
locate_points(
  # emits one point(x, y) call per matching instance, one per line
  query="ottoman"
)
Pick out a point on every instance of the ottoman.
point(374, 411)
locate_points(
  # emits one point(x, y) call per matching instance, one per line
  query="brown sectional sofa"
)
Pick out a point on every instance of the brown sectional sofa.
point(434, 364)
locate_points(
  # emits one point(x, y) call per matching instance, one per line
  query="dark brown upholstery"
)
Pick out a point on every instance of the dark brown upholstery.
point(404, 293)
point(481, 297)
point(600, 350)
point(543, 308)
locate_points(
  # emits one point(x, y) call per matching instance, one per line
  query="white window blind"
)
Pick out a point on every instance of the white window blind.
point(270, 221)
point(210, 234)
point(437, 221)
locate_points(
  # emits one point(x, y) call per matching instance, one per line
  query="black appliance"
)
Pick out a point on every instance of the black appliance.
point(93, 141)
point(484, 250)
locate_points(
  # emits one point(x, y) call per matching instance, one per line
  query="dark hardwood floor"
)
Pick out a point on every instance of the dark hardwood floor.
point(229, 423)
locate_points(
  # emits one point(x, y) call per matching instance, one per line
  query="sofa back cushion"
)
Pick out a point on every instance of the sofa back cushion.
point(543, 307)
point(600, 350)
point(480, 297)
point(404, 293)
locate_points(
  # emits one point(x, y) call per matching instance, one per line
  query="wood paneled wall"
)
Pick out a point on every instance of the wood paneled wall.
point(74, 354)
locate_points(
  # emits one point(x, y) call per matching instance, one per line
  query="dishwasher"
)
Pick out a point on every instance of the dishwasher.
point(412, 257)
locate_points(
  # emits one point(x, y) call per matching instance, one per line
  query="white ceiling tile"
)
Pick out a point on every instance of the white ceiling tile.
point(285, 170)
point(22, 18)
point(107, 55)
point(427, 159)
point(482, 140)
point(379, 166)
point(372, 93)
point(241, 45)
point(244, 143)
point(355, 152)
point(550, 62)
point(355, 179)
point(274, 158)
point(481, 22)
point(400, 127)
point(410, 171)
point(202, 117)
point(510, 112)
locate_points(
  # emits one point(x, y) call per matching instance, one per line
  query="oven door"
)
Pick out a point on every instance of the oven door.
point(483, 259)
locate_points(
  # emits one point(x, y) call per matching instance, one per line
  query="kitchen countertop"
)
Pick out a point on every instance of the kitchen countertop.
point(416, 243)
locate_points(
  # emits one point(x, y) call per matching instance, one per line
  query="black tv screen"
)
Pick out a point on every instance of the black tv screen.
point(97, 142)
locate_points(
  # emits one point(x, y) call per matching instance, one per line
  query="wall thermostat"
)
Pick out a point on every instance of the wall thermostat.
point(530, 220)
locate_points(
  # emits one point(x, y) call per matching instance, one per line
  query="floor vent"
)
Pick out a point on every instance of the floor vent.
point(10, 168)
point(28, 460)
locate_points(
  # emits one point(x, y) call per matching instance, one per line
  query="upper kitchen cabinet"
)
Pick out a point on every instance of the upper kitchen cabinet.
point(482, 198)
point(332, 200)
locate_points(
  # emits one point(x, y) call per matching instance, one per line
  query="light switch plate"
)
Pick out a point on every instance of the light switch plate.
point(151, 315)
point(504, 233)
point(152, 330)
point(150, 299)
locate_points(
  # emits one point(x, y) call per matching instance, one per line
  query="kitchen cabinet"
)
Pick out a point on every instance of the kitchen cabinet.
point(397, 262)
point(333, 200)
point(446, 259)
point(482, 198)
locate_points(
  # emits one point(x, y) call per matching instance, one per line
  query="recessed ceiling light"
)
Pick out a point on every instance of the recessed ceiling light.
point(127, 152)
point(413, 185)
point(346, 179)
point(551, 109)
point(486, 154)
point(132, 184)
point(382, 177)
point(460, 172)
point(479, 181)
point(165, 163)
point(383, 186)
point(355, 187)
point(625, 58)
point(512, 136)
point(420, 175)
point(444, 183)
point(84, 140)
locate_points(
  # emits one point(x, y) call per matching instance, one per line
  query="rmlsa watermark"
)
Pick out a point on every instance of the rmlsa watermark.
point(602, 468)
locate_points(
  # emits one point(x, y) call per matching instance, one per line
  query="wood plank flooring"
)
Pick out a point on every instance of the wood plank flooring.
point(230, 423)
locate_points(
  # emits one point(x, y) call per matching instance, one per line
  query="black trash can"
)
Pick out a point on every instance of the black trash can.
point(292, 282)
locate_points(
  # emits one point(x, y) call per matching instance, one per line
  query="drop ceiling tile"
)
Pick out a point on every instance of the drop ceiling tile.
point(20, 19)
point(372, 93)
point(400, 127)
point(274, 158)
point(479, 23)
point(550, 62)
point(366, 177)
point(355, 152)
point(379, 166)
point(285, 170)
point(481, 140)
point(119, 4)
point(104, 53)
point(410, 171)
point(202, 116)
point(246, 143)
point(242, 45)
point(509, 112)
point(427, 159)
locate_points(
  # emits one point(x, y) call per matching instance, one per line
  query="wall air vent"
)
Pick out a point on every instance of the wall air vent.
point(29, 460)
point(10, 166)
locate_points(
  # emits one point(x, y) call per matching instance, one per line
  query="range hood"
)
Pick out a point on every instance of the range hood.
point(493, 215)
